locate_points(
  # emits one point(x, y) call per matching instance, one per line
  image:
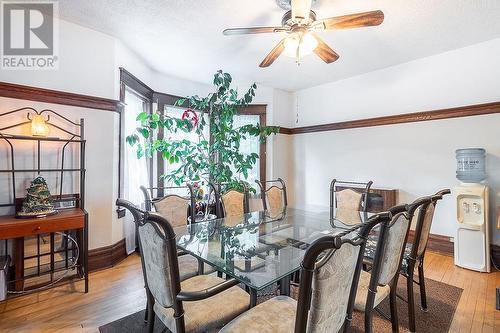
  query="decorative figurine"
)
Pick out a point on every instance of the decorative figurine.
point(38, 202)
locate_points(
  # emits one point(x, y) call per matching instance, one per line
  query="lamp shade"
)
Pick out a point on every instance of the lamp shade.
point(304, 44)
point(38, 126)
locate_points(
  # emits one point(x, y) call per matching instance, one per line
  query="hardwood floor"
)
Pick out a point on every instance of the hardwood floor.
point(118, 291)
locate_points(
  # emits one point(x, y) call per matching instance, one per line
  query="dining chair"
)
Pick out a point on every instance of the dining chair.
point(175, 207)
point(414, 255)
point(274, 198)
point(329, 273)
point(348, 196)
point(232, 202)
point(381, 281)
point(198, 304)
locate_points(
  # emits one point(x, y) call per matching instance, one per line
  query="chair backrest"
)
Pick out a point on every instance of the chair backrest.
point(392, 247)
point(273, 195)
point(173, 207)
point(423, 225)
point(348, 196)
point(328, 285)
point(234, 203)
point(159, 254)
point(231, 203)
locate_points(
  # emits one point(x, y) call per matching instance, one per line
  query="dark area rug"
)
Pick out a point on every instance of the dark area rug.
point(442, 300)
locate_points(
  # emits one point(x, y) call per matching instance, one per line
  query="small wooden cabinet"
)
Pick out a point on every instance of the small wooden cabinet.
point(389, 199)
point(379, 199)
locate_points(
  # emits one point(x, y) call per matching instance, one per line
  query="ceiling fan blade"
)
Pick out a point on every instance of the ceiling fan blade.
point(324, 51)
point(358, 20)
point(255, 30)
point(301, 8)
point(273, 55)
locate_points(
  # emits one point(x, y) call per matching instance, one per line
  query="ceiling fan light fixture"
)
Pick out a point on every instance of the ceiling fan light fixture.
point(305, 46)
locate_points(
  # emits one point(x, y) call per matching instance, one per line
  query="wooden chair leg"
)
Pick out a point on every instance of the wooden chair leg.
point(368, 321)
point(411, 302)
point(148, 301)
point(151, 313)
point(369, 308)
point(347, 324)
point(201, 267)
point(394, 310)
point(421, 281)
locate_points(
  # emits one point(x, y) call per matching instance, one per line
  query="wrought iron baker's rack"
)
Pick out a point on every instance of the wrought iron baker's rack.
point(74, 136)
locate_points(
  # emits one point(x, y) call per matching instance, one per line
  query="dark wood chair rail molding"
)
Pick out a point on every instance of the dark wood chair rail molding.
point(18, 91)
point(462, 111)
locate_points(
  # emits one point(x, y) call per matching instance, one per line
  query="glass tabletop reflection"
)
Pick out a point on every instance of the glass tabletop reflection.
point(261, 248)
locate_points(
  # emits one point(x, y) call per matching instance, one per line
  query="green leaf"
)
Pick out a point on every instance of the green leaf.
point(139, 152)
point(143, 116)
point(144, 132)
point(132, 139)
point(180, 102)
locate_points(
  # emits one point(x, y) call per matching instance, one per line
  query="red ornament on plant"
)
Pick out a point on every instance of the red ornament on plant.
point(190, 115)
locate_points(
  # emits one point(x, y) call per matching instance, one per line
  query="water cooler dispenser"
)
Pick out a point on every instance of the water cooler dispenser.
point(472, 244)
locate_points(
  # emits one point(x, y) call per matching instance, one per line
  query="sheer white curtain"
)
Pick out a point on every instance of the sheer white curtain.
point(135, 170)
point(250, 145)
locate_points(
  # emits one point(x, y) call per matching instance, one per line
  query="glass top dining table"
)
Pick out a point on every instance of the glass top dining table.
point(260, 248)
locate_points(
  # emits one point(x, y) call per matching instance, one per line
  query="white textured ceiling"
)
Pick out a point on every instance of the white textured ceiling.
point(184, 37)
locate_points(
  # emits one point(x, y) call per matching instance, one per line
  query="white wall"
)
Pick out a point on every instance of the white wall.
point(417, 158)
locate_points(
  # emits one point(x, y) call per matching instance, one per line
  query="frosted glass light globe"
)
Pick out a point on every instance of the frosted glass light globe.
point(306, 46)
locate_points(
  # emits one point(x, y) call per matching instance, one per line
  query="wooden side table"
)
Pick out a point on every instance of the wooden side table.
point(65, 219)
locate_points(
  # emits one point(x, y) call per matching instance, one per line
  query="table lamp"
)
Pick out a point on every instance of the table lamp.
point(38, 126)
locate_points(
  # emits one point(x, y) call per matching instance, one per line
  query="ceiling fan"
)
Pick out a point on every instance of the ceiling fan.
point(300, 25)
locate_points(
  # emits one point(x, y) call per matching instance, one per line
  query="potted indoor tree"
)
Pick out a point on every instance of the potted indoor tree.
point(215, 157)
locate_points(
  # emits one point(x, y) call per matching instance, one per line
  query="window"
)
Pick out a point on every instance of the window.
point(248, 146)
point(138, 97)
point(251, 144)
point(179, 135)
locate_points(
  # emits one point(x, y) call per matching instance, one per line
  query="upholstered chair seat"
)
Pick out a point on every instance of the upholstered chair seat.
point(276, 315)
point(362, 292)
point(209, 313)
